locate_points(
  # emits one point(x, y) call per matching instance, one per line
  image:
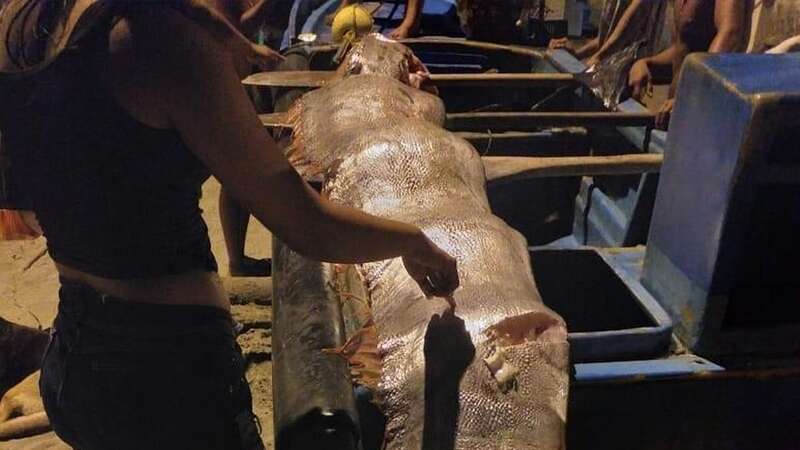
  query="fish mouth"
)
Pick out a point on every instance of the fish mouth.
point(532, 326)
point(513, 332)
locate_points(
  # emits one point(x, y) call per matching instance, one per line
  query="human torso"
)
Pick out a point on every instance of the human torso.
point(695, 23)
point(115, 189)
point(643, 30)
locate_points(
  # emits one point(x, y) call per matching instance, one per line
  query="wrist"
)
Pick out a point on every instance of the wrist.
point(409, 24)
point(416, 245)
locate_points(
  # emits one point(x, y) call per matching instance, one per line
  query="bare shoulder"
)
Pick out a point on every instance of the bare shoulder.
point(154, 51)
point(161, 36)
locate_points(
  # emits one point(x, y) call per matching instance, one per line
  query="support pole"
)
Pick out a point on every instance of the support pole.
point(503, 169)
point(530, 121)
point(318, 78)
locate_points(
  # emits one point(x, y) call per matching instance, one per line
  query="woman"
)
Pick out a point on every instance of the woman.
point(622, 23)
point(712, 26)
point(114, 135)
point(249, 18)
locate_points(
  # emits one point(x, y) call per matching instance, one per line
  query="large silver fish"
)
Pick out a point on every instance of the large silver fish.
point(493, 373)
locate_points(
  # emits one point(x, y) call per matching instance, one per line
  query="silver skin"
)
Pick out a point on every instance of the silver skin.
point(491, 374)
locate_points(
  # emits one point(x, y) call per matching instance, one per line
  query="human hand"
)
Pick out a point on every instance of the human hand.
point(433, 269)
point(592, 61)
point(558, 43)
point(401, 32)
point(263, 56)
point(664, 114)
point(639, 78)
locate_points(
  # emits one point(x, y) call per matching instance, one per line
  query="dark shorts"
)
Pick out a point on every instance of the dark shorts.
point(120, 375)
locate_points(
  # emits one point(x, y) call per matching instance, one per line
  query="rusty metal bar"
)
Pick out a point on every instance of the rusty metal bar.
point(530, 121)
point(275, 120)
point(290, 78)
point(503, 79)
point(318, 78)
point(516, 121)
point(510, 168)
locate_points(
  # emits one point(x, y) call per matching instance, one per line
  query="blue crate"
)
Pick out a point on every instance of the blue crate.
point(609, 315)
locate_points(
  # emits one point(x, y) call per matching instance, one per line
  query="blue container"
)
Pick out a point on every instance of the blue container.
point(609, 315)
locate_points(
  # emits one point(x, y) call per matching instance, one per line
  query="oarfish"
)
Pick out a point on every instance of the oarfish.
point(491, 374)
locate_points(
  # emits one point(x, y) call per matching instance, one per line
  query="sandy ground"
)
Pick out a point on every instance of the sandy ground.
point(29, 296)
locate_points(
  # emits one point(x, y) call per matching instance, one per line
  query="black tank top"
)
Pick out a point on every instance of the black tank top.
point(115, 198)
point(696, 25)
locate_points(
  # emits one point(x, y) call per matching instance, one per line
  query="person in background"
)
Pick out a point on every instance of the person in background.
point(628, 30)
point(791, 45)
point(249, 17)
point(221, 19)
point(773, 22)
point(615, 21)
point(714, 26)
point(498, 21)
point(409, 27)
point(623, 23)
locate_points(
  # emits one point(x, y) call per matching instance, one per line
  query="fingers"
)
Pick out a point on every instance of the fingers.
point(639, 79)
point(399, 34)
point(439, 284)
point(558, 43)
point(636, 87)
point(664, 114)
point(265, 57)
point(435, 271)
point(426, 286)
point(443, 284)
point(451, 302)
point(662, 120)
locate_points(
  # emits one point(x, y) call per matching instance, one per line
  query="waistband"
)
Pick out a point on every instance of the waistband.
point(82, 307)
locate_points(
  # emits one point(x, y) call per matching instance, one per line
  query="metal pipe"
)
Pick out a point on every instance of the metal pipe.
point(517, 121)
point(530, 121)
point(318, 78)
point(314, 404)
point(503, 169)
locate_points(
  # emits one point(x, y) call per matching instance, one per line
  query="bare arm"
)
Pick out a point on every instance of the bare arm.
point(209, 108)
point(788, 46)
point(588, 49)
point(410, 23)
point(665, 58)
point(252, 19)
point(203, 12)
point(729, 19)
point(623, 23)
point(413, 12)
point(213, 20)
point(640, 76)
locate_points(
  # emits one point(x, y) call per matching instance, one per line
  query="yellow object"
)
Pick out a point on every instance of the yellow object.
point(350, 23)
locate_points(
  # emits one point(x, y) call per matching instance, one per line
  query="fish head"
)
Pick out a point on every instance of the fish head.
point(376, 54)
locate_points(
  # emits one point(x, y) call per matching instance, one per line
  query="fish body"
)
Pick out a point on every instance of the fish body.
point(491, 374)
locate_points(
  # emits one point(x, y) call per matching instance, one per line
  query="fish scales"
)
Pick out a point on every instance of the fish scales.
point(494, 376)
